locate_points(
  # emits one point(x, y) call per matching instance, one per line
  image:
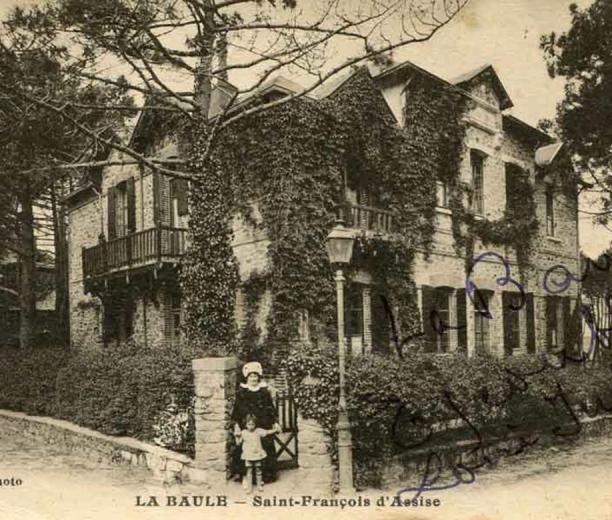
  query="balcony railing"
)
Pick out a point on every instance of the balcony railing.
point(367, 218)
point(147, 247)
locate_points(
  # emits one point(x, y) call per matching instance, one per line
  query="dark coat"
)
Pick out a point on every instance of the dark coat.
point(260, 404)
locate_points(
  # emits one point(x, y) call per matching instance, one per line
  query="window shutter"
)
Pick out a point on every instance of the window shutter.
point(110, 199)
point(156, 215)
point(428, 305)
point(530, 324)
point(131, 206)
point(461, 321)
point(381, 323)
point(165, 206)
point(571, 331)
point(506, 300)
point(181, 196)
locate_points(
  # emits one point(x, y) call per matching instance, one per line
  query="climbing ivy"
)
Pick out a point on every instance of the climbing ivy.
point(284, 171)
point(434, 121)
point(209, 273)
point(517, 227)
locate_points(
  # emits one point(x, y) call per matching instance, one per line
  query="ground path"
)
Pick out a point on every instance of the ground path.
point(573, 483)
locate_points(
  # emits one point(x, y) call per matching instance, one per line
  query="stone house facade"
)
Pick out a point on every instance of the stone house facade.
point(127, 235)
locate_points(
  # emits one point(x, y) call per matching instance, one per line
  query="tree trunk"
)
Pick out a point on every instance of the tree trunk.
point(62, 332)
point(27, 273)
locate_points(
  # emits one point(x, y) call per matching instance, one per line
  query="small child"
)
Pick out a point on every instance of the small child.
point(253, 453)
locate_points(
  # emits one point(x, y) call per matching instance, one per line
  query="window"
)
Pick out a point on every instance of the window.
point(552, 322)
point(550, 212)
point(438, 321)
point(118, 319)
point(178, 197)
point(354, 310)
point(514, 176)
point(441, 318)
point(441, 194)
point(121, 209)
point(477, 163)
point(482, 300)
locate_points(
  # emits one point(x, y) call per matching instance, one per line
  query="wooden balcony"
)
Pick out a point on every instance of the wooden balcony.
point(150, 247)
point(367, 218)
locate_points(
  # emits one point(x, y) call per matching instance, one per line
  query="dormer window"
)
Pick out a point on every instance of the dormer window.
point(477, 164)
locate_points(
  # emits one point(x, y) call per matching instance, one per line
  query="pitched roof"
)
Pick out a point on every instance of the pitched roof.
point(500, 90)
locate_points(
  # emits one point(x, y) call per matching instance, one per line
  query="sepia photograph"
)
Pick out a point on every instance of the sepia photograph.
point(346, 258)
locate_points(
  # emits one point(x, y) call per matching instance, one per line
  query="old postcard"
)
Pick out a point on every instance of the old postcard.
point(323, 258)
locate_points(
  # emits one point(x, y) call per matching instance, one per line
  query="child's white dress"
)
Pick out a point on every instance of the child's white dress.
point(252, 450)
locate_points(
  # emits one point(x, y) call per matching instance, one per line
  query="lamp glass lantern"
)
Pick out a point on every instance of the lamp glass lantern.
point(340, 243)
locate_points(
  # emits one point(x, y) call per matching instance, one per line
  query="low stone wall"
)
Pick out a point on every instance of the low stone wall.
point(164, 464)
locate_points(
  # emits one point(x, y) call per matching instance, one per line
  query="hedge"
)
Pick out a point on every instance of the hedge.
point(399, 405)
point(124, 390)
point(28, 379)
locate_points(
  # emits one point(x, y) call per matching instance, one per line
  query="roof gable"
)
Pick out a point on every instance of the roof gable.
point(484, 74)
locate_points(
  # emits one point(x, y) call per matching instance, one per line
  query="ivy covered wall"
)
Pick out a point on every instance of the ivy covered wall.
point(291, 164)
point(284, 171)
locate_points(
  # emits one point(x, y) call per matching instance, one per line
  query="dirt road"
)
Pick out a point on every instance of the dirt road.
point(553, 484)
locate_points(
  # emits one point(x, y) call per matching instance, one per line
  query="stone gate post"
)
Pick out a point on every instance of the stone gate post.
point(215, 389)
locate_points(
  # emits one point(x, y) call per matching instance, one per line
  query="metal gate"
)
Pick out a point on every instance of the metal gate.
point(286, 442)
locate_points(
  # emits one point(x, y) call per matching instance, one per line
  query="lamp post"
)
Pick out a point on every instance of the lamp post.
point(340, 243)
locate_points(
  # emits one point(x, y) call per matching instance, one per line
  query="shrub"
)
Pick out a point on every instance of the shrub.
point(123, 390)
point(397, 405)
point(119, 390)
point(27, 379)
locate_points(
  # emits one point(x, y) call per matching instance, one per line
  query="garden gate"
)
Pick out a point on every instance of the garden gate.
point(286, 442)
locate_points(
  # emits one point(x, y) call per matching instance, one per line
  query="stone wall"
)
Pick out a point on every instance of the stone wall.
point(486, 133)
point(215, 392)
point(316, 469)
point(85, 310)
point(163, 464)
point(86, 223)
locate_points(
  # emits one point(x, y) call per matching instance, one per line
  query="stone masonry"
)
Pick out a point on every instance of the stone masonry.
point(215, 392)
point(316, 469)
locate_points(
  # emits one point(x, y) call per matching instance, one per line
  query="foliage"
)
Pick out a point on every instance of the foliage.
point(582, 56)
point(290, 164)
point(122, 390)
point(397, 405)
point(117, 390)
point(28, 379)
point(519, 225)
point(209, 274)
point(174, 428)
point(33, 70)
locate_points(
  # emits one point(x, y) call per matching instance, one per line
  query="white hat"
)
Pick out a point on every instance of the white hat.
point(252, 367)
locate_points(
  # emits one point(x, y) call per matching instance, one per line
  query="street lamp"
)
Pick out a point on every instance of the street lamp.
point(340, 243)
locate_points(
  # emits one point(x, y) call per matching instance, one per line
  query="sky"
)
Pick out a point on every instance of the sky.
point(506, 34)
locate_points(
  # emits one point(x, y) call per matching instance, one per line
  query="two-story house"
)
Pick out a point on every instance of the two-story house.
point(128, 234)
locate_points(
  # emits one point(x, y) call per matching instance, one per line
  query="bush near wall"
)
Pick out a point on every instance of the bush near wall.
point(28, 379)
point(398, 405)
point(125, 390)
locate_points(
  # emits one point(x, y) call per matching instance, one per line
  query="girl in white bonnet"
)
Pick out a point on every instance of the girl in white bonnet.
point(253, 398)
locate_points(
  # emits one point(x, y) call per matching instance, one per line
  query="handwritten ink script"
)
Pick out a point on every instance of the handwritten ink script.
point(556, 280)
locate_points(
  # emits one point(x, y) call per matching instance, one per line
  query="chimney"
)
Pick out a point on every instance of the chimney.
point(221, 95)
